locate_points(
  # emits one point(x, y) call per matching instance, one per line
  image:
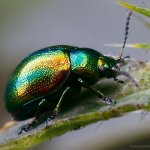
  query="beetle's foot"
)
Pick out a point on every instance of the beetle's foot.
point(119, 81)
point(48, 122)
point(108, 100)
point(53, 115)
point(24, 129)
point(27, 127)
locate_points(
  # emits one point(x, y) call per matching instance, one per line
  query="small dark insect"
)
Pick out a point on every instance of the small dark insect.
point(47, 76)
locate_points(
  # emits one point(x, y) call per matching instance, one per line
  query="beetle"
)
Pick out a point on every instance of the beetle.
point(43, 79)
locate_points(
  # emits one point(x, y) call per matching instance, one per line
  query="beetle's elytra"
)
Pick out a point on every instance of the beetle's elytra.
point(43, 79)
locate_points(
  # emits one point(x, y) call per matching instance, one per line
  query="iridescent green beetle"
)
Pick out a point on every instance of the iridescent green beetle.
point(43, 79)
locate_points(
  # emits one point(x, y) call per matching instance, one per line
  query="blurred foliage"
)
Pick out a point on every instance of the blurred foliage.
point(143, 11)
point(139, 45)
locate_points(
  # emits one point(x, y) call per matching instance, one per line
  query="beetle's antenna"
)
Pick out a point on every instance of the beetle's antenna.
point(129, 13)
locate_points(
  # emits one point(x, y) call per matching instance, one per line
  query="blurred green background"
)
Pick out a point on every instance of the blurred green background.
point(28, 25)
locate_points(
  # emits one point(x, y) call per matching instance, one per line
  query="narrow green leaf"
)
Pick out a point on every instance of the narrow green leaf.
point(141, 10)
point(133, 45)
point(139, 45)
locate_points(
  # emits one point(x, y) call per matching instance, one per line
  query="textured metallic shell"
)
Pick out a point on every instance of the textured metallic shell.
point(43, 72)
point(84, 61)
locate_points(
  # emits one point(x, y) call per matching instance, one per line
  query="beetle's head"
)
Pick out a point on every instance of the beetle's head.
point(108, 67)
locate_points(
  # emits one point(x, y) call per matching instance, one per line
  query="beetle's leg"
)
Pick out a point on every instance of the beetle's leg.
point(27, 127)
point(38, 112)
point(57, 108)
point(100, 95)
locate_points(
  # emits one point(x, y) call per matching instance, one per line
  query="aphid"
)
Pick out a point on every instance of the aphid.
point(43, 79)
